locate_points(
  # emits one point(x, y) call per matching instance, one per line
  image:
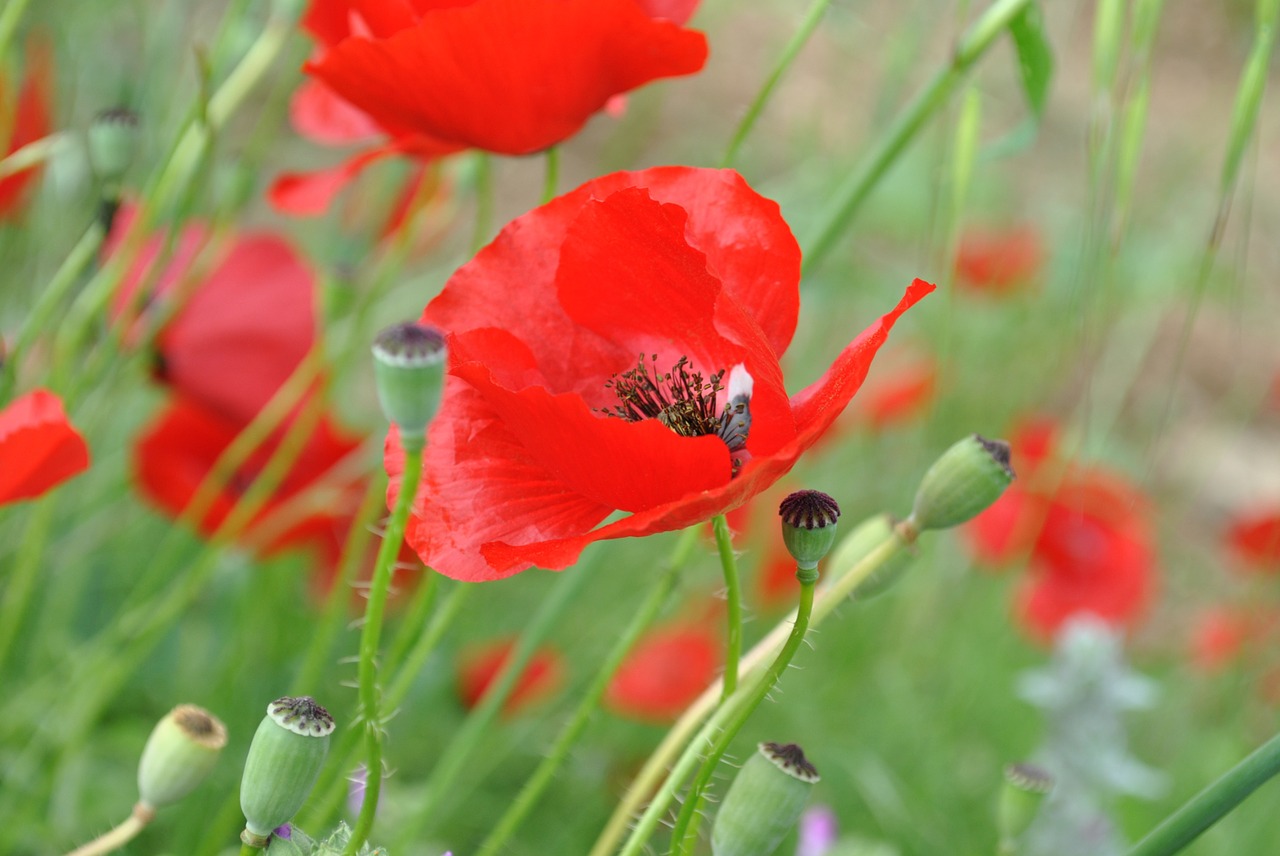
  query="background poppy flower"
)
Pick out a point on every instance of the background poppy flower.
point(701, 272)
point(24, 118)
point(998, 262)
point(668, 669)
point(1254, 539)
point(39, 448)
point(478, 667)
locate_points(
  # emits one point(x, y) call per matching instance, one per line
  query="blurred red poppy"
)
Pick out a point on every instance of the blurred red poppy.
point(25, 116)
point(242, 329)
point(1217, 637)
point(312, 507)
point(666, 671)
point(897, 392)
point(1087, 537)
point(549, 423)
point(39, 448)
point(1254, 539)
point(998, 262)
point(478, 667)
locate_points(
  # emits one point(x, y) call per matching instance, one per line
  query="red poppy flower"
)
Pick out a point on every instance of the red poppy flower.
point(24, 118)
point(39, 448)
point(243, 329)
point(998, 262)
point(897, 393)
point(313, 505)
point(689, 268)
point(1087, 538)
point(1255, 540)
point(1218, 635)
point(668, 669)
point(477, 669)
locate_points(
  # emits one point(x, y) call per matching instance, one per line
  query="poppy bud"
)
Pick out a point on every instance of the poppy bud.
point(408, 367)
point(1025, 787)
point(112, 141)
point(858, 544)
point(764, 802)
point(808, 526)
point(963, 482)
point(182, 749)
point(284, 760)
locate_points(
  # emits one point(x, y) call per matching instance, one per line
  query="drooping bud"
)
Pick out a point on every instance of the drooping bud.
point(963, 482)
point(284, 760)
point(808, 526)
point(408, 367)
point(1024, 791)
point(858, 544)
point(180, 753)
point(112, 142)
point(764, 802)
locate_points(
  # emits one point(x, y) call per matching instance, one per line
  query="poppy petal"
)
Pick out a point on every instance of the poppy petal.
point(309, 194)
point(39, 447)
point(320, 115)
point(665, 673)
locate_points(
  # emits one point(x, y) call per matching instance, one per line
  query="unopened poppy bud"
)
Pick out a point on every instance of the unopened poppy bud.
point(858, 544)
point(182, 749)
point(408, 367)
point(808, 526)
point(764, 802)
point(284, 760)
point(1025, 788)
point(963, 482)
point(112, 142)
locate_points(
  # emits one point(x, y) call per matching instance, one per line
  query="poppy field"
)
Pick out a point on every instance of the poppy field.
point(639, 427)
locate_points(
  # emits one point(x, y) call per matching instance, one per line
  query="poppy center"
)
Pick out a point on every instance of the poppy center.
point(684, 400)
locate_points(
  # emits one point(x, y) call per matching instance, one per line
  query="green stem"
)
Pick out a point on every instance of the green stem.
point(553, 175)
point(850, 195)
point(484, 202)
point(733, 598)
point(21, 582)
point(1211, 804)
point(542, 777)
point(246, 850)
point(33, 153)
point(798, 40)
point(370, 636)
point(685, 834)
point(9, 20)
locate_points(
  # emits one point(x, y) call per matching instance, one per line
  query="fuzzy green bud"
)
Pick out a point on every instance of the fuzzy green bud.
point(408, 367)
point(1025, 789)
point(860, 543)
point(180, 753)
point(284, 760)
point(963, 482)
point(112, 141)
point(808, 526)
point(764, 802)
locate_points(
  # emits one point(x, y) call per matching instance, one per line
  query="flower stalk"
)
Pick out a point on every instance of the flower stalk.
point(733, 600)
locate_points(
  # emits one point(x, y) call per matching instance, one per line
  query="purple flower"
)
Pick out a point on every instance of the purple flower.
point(817, 831)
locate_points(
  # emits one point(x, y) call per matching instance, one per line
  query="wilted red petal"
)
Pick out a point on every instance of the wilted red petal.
point(508, 76)
point(28, 119)
point(39, 448)
point(479, 667)
point(998, 262)
point(1255, 540)
point(664, 674)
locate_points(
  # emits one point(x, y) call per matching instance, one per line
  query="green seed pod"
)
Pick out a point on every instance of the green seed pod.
point(808, 526)
point(286, 847)
point(284, 760)
point(408, 367)
point(764, 802)
point(963, 482)
point(112, 141)
point(867, 536)
point(1024, 791)
point(182, 749)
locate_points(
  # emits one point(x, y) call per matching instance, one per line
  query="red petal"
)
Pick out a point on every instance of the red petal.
point(320, 115)
point(998, 262)
point(664, 674)
point(672, 10)
point(191, 240)
point(480, 666)
point(509, 76)
point(309, 194)
point(31, 120)
point(39, 448)
point(1255, 539)
point(1007, 529)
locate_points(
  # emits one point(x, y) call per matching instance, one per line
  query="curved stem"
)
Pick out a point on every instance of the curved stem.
point(733, 598)
point(541, 778)
point(33, 153)
point(484, 202)
point(685, 833)
point(119, 836)
point(553, 175)
point(370, 636)
point(810, 23)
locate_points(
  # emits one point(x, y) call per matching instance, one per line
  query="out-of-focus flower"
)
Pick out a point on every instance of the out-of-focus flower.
point(896, 392)
point(550, 422)
point(1217, 637)
point(25, 116)
point(998, 262)
point(818, 830)
point(477, 669)
point(666, 671)
point(178, 449)
point(1254, 539)
point(39, 447)
point(1085, 532)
